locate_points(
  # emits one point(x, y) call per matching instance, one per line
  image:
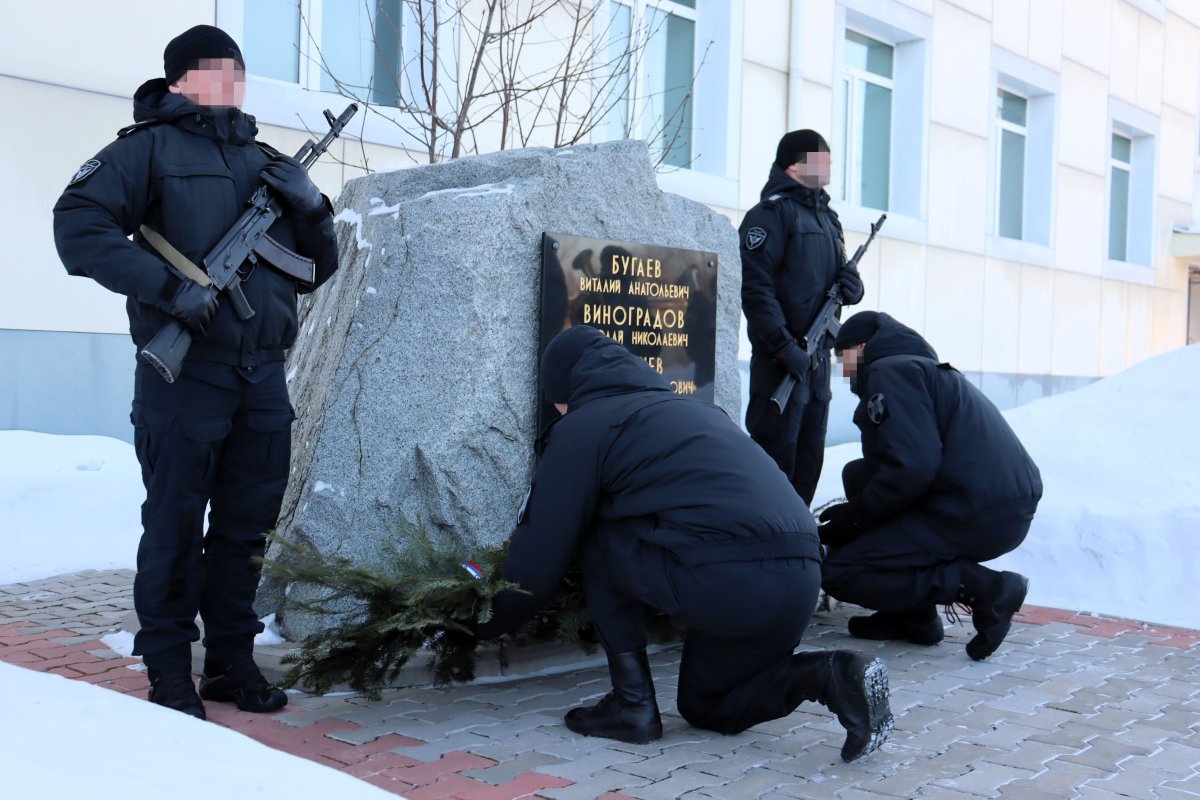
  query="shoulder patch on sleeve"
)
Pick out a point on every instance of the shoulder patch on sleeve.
point(755, 237)
point(84, 171)
point(877, 408)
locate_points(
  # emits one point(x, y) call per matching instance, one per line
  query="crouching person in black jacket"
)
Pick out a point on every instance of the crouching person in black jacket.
point(943, 485)
point(669, 505)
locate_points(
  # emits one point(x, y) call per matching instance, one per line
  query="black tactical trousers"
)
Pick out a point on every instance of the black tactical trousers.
point(219, 437)
point(911, 562)
point(743, 621)
point(795, 439)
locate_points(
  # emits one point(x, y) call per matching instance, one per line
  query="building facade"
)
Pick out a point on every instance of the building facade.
point(1038, 160)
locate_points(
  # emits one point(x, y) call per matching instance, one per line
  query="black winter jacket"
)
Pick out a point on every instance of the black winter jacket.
point(932, 440)
point(676, 472)
point(792, 251)
point(186, 172)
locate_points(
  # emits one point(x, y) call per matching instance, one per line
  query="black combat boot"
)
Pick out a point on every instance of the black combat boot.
point(919, 627)
point(241, 683)
point(175, 690)
point(851, 685)
point(993, 597)
point(629, 713)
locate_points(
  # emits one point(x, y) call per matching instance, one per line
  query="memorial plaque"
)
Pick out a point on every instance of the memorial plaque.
point(659, 302)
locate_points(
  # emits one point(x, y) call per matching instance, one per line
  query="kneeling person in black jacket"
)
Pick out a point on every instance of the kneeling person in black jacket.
point(943, 485)
point(669, 505)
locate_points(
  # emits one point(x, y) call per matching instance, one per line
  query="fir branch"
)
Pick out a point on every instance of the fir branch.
point(417, 597)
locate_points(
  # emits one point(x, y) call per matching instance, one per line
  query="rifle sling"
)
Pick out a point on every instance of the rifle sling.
point(175, 258)
point(294, 265)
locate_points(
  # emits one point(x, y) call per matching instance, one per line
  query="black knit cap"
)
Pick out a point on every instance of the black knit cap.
point(797, 144)
point(202, 41)
point(560, 357)
point(857, 330)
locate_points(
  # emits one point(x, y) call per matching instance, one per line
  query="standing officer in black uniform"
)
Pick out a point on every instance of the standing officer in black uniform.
point(221, 433)
point(943, 484)
point(793, 253)
point(671, 506)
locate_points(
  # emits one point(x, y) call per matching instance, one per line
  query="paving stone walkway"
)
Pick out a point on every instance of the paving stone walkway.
point(1072, 706)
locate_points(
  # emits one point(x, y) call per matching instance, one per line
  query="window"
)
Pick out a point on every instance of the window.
point(1022, 166)
point(654, 95)
point(320, 44)
point(272, 37)
point(867, 96)
point(1132, 146)
point(1118, 197)
point(881, 115)
point(1010, 156)
point(1193, 322)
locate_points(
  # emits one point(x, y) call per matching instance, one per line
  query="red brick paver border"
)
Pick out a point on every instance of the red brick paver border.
point(1110, 627)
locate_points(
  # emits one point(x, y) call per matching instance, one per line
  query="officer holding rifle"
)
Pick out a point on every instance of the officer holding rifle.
point(793, 257)
point(214, 427)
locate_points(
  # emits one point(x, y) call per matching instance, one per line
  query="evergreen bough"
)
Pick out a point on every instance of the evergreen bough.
point(418, 595)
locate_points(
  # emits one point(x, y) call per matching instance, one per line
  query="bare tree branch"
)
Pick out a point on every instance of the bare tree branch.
point(474, 73)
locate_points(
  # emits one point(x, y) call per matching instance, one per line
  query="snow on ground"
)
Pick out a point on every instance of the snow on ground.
point(74, 739)
point(67, 503)
point(1115, 533)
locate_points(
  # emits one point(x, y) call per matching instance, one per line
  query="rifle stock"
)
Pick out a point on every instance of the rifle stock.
point(827, 322)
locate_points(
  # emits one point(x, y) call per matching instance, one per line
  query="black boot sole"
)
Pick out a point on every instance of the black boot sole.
point(629, 737)
point(880, 721)
point(196, 711)
point(214, 689)
point(578, 722)
point(1012, 597)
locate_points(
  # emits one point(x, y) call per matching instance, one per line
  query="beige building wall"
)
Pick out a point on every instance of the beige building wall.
point(1039, 313)
point(1066, 310)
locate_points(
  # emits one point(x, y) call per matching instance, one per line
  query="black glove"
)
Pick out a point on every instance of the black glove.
point(838, 528)
point(289, 179)
point(193, 305)
point(851, 285)
point(794, 360)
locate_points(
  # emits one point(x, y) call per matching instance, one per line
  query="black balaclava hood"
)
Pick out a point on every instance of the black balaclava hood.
point(561, 355)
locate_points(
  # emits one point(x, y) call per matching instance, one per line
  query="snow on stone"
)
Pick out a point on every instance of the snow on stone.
point(349, 215)
point(473, 191)
point(380, 208)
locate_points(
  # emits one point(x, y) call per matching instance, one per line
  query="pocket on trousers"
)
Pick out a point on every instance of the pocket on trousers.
point(151, 419)
point(207, 430)
point(270, 421)
point(274, 430)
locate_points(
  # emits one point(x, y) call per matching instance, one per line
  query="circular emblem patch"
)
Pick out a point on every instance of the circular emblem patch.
point(87, 169)
point(876, 408)
point(755, 237)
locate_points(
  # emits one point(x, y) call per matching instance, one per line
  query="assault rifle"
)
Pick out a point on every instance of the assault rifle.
point(247, 240)
point(827, 322)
